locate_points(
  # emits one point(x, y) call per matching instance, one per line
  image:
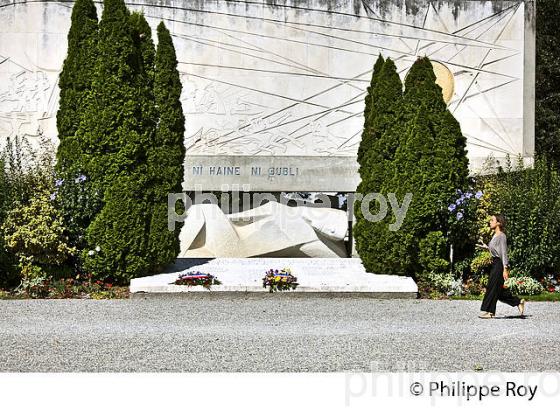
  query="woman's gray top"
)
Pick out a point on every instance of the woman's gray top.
point(498, 247)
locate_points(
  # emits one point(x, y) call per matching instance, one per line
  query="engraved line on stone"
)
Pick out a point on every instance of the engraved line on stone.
point(175, 7)
point(292, 121)
point(377, 19)
point(256, 90)
point(306, 99)
point(482, 62)
point(275, 72)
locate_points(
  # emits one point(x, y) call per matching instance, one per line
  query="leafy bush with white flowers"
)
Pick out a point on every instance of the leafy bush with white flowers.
point(524, 285)
point(33, 230)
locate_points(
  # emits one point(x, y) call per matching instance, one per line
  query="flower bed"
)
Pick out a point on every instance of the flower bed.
point(281, 280)
point(524, 285)
point(80, 287)
point(197, 279)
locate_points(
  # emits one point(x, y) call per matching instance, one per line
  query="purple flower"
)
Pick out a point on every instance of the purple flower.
point(58, 183)
point(53, 196)
point(80, 179)
point(451, 207)
point(459, 201)
point(468, 195)
point(459, 216)
point(478, 195)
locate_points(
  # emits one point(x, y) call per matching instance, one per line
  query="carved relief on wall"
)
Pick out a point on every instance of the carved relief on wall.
point(25, 104)
point(290, 78)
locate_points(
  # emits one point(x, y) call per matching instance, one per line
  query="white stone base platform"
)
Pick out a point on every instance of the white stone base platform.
point(319, 275)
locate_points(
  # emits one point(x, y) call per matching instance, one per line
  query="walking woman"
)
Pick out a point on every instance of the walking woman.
point(499, 273)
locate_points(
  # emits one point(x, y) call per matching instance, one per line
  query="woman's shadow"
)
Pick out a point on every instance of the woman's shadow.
point(513, 317)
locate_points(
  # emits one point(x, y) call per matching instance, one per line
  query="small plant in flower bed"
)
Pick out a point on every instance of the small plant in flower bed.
point(475, 286)
point(197, 279)
point(524, 285)
point(279, 280)
point(81, 287)
point(551, 282)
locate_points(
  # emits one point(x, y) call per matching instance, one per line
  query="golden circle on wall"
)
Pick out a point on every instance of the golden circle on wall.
point(445, 79)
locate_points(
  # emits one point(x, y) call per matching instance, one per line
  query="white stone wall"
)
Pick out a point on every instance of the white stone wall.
point(290, 78)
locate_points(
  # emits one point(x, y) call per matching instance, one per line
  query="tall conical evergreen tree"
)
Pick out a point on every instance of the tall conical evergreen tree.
point(383, 140)
point(127, 144)
point(117, 130)
point(407, 174)
point(366, 134)
point(387, 104)
point(75, 83)
point(166, 156)
point(111, 128)
point(428, 161)
point(144, 67)
point(77, 70)
point(432, 165)
point(422, 89)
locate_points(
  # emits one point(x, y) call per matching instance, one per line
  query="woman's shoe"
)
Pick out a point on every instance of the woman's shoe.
point(486, 315)
point(521, 307)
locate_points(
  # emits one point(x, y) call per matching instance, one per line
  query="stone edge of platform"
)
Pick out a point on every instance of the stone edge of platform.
point(319, 293)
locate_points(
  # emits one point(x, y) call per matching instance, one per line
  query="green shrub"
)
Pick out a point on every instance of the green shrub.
point(435, 274)
point(441, 282)
point(380, 139)
point(35, 234)
point(524, 285)
point(116, 132)
point(23, 173)
point(432, 255)
point(481, 263)
point(75, 201)
point(547, 87)
point(529, 198)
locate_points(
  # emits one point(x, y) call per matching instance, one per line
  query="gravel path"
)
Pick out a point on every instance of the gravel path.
point(274, 333)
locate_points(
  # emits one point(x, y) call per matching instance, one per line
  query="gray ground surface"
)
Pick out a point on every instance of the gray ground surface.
point(272, 333)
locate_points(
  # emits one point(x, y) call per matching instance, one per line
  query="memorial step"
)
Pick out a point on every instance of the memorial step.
point(319, 275)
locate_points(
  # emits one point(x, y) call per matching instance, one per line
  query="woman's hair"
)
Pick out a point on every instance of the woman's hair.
point(502, 221)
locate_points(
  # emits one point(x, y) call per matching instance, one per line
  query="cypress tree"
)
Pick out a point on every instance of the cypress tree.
point(413, 162)
point(387, 106)
point(77, 69)
point(111, 129)
point(166, 156)
point(383, 139)
point(144, 72)
point(421, 89)
point(117, 129)
point(365, 141)
point(422, 151)
point(432, 165)
point(75, 83)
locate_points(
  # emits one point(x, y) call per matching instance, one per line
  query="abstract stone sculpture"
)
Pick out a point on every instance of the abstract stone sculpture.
point(272, 230)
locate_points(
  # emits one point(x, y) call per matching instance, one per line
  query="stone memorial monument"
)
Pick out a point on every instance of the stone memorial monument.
point(273, 95)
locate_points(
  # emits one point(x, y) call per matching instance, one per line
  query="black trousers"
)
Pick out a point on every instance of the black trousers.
point(495, 290)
